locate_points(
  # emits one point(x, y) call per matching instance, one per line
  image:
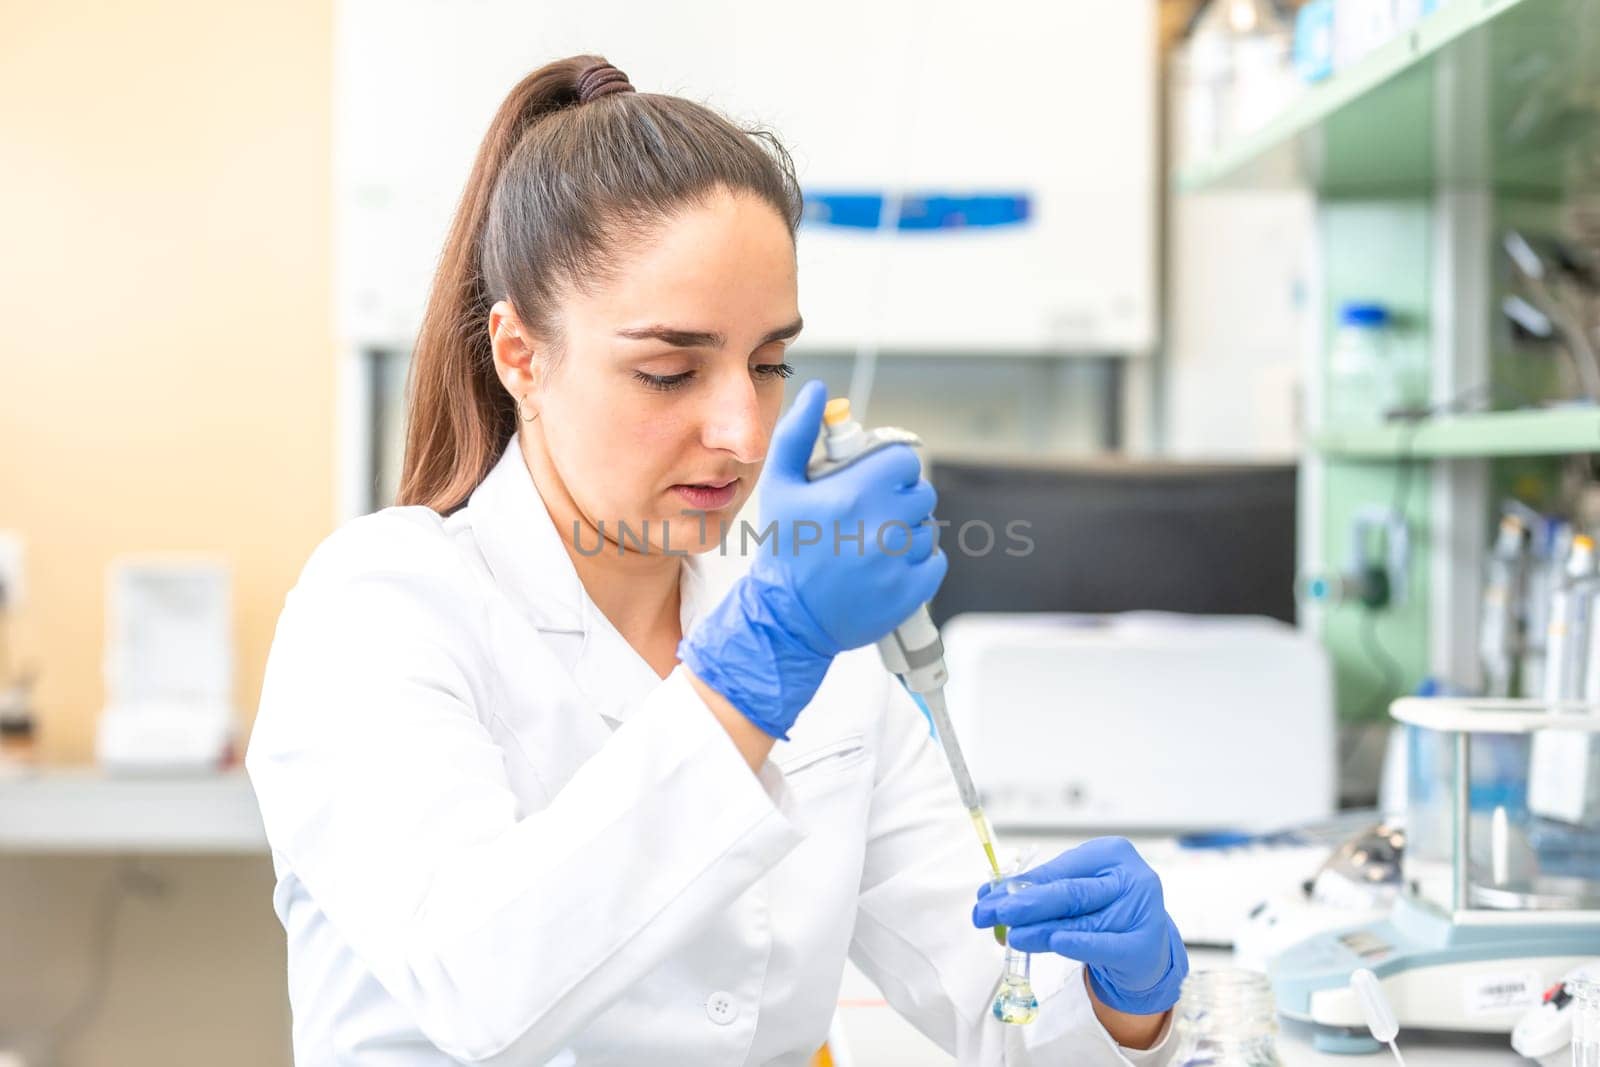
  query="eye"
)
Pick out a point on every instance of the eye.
point(768, 371)
point(663, 382)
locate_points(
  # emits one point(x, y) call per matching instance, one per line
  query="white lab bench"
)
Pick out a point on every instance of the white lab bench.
point(84, 811)
point(879, 1037)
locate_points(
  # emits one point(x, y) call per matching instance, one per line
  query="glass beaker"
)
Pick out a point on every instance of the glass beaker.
point(1227, 1018)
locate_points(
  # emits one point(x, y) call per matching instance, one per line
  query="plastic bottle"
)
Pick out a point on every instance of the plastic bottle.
point(1566, 638)
point(1500, 624)
point(1550, 548)
point(1361, 381)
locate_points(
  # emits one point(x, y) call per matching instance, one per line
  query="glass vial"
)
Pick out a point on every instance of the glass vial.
point(1014, 1001)
point(1585, 993)
point(1227, 1018)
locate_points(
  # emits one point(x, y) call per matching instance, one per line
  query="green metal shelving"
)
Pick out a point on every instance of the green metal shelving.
point(1482, 93)
point(1497, 100)
point(1554, 432)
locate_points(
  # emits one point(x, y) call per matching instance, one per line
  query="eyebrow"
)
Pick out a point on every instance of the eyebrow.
point(679, 338)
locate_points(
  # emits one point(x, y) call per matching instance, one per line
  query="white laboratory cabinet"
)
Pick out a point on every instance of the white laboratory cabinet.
point(1020, 137)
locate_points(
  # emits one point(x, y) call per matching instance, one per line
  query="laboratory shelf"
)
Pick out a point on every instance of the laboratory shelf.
point(88, 811)
point(1552, 432)
point(1496, 94)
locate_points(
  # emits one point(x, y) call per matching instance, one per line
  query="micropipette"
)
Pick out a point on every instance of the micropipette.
point(913, 651)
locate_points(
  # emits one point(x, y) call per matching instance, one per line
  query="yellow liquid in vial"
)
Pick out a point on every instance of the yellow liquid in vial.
point(1014, 1001)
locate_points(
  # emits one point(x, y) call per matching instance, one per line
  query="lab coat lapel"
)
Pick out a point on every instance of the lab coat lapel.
point(530, 564)
point(609, 670)
point(524, 552)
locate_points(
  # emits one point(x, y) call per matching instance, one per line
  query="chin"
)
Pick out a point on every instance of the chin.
point(686, 531)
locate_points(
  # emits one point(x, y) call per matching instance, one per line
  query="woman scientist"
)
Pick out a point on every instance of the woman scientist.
point(541, 781)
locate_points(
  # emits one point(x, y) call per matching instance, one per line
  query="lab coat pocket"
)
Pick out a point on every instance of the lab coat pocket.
point(820, 767)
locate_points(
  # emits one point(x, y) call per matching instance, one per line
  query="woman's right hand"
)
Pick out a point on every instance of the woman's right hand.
point(849, 557)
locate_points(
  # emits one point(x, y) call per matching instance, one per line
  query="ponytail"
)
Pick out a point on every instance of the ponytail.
point(552, 186)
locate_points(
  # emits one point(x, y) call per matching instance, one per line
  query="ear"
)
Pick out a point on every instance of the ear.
point(516, 354)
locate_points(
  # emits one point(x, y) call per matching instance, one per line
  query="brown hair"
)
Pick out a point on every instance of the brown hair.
point(574, 166)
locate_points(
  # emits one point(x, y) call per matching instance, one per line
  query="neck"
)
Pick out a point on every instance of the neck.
point(636, 591)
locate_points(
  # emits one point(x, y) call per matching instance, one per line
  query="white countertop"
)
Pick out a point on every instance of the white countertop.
point(84, 810)
point(1419, 1050)
point(877, 1036)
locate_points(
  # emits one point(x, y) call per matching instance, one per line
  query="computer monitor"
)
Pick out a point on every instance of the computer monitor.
point(1117, 536)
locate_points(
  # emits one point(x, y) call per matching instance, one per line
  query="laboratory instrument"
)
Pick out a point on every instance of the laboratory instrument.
point(1357, 883)
point(1225, 1018)
point(1555, 286)
point(1234, 716)
point(1485, 922)
point(1374, 575)
point(1375, 1006)
point(1545, 1032)
point(913, 651)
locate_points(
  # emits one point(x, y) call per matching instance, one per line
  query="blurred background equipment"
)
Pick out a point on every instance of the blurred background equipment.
point(169, 668)
point(1564, 1029)
point(1233, 718)
point(1356, 883)
point(1493, 910)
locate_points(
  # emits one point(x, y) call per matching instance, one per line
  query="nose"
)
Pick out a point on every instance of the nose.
point(733, 423)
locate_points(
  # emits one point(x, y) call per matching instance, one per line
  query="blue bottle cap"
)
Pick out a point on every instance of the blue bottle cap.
point(1369, 316)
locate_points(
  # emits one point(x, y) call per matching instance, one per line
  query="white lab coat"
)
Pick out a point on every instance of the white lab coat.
point(501, 838)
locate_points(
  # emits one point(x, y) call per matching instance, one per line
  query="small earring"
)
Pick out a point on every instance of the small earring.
point(524, 416)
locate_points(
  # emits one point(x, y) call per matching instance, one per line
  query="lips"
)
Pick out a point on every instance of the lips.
point(708, 497)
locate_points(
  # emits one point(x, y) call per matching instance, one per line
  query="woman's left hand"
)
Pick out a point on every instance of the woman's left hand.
point(1099, 903)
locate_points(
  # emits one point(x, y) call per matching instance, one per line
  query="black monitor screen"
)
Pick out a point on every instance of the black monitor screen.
point(1215, 540)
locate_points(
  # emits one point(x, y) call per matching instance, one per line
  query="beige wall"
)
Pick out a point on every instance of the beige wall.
point(166, 383)
point(166, 355)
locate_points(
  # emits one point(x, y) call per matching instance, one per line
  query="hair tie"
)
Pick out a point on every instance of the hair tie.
point(602, 79)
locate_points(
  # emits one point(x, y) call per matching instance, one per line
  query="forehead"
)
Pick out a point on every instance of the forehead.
point(729, 258)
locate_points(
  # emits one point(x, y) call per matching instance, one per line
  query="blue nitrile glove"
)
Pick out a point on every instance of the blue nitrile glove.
point(810, 595)
point(1099, 903)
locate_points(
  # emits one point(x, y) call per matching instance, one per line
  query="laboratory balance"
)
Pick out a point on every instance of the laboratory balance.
point(1501, 887)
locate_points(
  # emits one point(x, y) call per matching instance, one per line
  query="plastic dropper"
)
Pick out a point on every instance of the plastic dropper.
point(1375, 1006)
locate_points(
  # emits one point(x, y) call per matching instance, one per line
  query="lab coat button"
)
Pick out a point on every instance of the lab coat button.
point(721, 1009)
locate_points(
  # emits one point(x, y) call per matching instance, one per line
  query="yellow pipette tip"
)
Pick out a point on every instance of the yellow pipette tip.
point(837, 411)
point(981, 824)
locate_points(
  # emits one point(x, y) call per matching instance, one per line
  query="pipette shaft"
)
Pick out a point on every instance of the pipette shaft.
point(942, 728)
